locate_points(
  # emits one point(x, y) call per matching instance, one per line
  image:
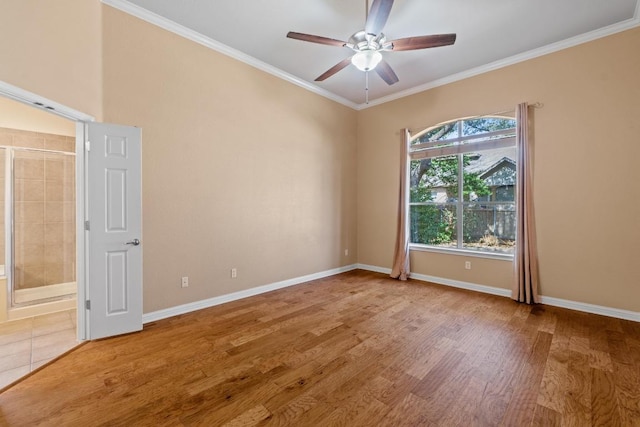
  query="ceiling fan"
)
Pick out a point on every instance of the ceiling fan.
point(368, 43)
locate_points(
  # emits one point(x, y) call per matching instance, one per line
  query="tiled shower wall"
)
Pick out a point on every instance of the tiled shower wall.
point(44, 208)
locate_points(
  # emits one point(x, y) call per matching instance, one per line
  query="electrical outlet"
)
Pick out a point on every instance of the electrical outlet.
point(467, 265)
point(185, 282)
point(234, 273)
point(346, 252)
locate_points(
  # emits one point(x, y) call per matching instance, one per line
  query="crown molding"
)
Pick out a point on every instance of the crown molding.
point(521, 57)
point(154, 19)
point(196, 37)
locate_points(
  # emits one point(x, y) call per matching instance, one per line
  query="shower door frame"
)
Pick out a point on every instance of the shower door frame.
point(80, 118)
point(10, 223)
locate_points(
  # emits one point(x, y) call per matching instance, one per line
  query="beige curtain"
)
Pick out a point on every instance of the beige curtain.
point(400, 268)
point(525, 288)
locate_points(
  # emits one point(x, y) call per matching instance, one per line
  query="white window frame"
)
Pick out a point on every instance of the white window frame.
point(459, 146)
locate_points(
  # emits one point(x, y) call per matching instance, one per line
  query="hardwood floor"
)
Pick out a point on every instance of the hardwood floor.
point(353, 349)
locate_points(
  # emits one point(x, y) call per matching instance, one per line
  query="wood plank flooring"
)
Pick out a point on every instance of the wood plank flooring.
point(356, 349)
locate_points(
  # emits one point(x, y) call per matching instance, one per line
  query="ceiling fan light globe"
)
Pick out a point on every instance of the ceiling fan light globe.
point(366, 60)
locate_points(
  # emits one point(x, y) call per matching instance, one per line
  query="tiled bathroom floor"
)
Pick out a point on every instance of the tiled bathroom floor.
point(27, 344)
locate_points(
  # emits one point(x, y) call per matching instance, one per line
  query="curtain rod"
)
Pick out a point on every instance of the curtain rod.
point(536, 104)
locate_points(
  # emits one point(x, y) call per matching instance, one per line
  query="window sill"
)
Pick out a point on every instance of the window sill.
point(461, 252)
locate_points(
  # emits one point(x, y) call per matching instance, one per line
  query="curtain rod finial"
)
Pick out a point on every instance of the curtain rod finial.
point(537, 105)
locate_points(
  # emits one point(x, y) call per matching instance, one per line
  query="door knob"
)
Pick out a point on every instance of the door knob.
point(134, 242)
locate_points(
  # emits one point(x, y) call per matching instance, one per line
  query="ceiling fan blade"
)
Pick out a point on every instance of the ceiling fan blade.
point(423, 42)
point(331, 71)
point(315, 39)
point(385, 71)
point(378, 15)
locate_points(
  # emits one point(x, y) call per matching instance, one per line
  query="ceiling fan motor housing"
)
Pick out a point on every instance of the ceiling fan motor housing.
point(362, 41)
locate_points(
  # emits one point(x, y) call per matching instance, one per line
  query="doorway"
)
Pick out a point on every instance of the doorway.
point(107, 251)
point(38, 318)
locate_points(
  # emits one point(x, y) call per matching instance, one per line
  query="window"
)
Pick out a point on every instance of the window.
point(462, 185)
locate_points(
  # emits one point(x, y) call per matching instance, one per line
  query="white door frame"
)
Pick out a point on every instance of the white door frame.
point(37, 101)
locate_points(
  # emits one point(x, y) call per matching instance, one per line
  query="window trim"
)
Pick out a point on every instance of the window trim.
point(419, 247)
point(468, 138)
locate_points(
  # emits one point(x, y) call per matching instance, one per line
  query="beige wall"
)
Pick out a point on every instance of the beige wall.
point(244, 170)
point(53, 49)
point(240, 169)
point(16, 115)
point(586, 169)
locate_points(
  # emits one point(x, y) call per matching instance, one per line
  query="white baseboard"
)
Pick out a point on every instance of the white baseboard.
point(556, 302)
point(442, 281)
point(462, 285)
point(591, 308)
point(374, 268)
point(199, 305)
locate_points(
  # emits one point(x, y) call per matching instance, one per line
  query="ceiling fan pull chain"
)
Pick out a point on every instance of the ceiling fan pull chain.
point(366, 87)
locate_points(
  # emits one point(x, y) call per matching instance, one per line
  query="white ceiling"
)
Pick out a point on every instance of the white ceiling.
point(490, 33)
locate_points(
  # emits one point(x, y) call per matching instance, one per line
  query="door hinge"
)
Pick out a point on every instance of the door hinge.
point(87, 304)
point(87, 225)
point(87, 145)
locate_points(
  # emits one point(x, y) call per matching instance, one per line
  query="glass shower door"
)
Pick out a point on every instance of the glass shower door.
point(44, 253)
point(3, 258)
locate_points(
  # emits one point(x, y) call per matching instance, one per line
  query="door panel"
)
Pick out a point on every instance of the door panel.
point(115, 229)
point(116, 282)
point(116, 200)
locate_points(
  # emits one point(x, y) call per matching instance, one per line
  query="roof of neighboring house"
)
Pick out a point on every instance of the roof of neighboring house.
point(487, 164)
point(488, 160)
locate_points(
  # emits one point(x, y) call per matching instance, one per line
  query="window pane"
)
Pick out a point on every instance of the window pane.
point(486, 124)
point(433, 225)
point(434, 180)
point(489, 227)
point(419, 191)
point(490, 175)
point(441, 133)
point(442, 177)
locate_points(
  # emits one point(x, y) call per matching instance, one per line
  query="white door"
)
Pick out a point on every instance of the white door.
point(114, 223)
